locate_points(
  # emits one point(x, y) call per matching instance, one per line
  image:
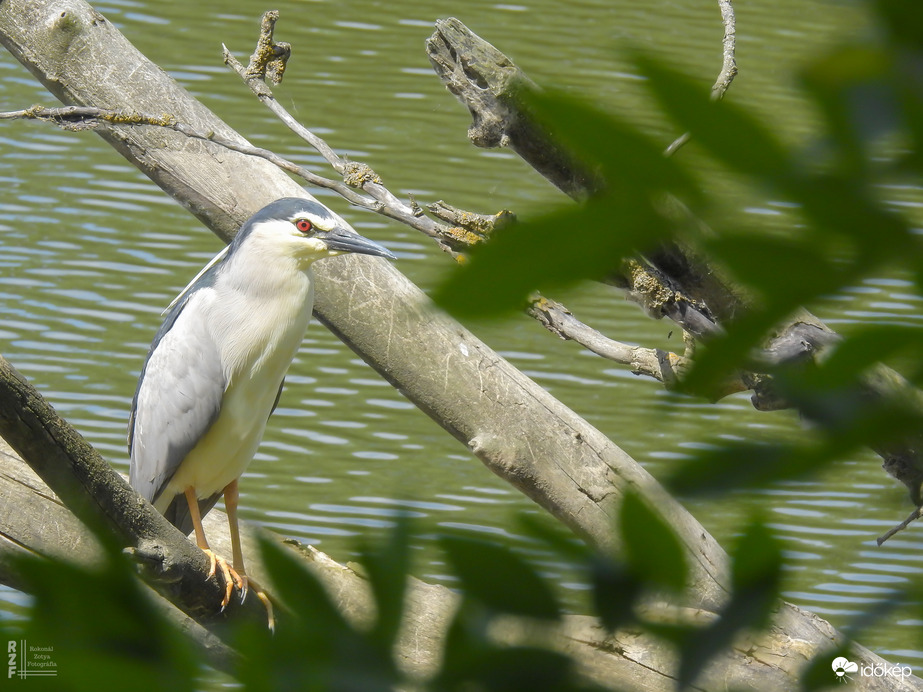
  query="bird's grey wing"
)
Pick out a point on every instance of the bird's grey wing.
point(178, 511)
point(178, 397)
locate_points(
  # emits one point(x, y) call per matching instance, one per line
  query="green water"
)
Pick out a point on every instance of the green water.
point(91, 252)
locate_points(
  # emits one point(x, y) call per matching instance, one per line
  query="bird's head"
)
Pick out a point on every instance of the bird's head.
point(303, 230)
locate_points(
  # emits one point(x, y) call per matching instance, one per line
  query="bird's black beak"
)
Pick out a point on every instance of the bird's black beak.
point(342, 240)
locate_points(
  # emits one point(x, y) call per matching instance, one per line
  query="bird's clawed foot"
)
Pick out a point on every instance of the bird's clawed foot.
point(231, 577)
point(250, 584)
point(243, 583)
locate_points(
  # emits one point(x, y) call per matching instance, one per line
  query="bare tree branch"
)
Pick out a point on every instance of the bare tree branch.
point(663, 366)
point(355, 174)
point(912, 517)
point(728, 67)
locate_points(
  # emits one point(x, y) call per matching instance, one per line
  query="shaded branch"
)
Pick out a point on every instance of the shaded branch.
point(662, 366)
point(106, 504)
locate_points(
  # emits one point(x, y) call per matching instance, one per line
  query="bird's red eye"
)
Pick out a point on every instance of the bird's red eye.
point(303, 225)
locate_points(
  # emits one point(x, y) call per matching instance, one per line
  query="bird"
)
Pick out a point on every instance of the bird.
point(216, 367)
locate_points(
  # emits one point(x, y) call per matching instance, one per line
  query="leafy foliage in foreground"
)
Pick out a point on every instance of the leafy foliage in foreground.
point(105, 631)
point(871, 101)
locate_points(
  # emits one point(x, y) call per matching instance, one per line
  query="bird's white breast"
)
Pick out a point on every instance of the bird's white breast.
point(257, 320)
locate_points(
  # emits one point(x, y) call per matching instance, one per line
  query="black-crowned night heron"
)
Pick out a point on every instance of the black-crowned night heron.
point(215, 369)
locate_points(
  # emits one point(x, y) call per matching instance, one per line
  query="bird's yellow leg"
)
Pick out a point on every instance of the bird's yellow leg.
point(230, 578)
point(231, 496)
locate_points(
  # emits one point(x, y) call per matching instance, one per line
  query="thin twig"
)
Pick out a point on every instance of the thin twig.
point(77, 118)
point(914, 515)
point(354, 174)
point(729, 43)
point(728, 67)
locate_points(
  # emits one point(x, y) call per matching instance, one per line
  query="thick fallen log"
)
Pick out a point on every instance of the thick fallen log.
point(627, 659)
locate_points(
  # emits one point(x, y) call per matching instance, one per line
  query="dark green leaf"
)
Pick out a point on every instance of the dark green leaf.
point(843, 83)
point(744, 465)
point(631, 163)
point(314, 646)
point(615, 592)
point(905, 23)
point(652, 550)
point(863, 349)
point(819, 673)
point(499, 579)
point(102, 628)
point(473, 661)
point(555, 536)
point(756, 571)
point(388, 566)
point(299, 589)
point(557, 250)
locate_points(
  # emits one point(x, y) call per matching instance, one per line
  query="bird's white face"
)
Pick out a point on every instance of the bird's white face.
point(301, 237)
point(307, 237)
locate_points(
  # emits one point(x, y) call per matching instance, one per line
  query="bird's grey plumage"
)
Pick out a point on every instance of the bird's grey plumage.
point(239, 314)
point(180, 400)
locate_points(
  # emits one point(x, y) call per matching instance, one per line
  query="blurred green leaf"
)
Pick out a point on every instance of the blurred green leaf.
point(730, 133)
point(387, 565)
point(519, 668)
point(903, 19)
point(740, 465)
point(653, 552)
point(755, 263)
point(844, 84)
point(864, 348)
point(314, 648)
point(756, 571)
point(473, 661)
point(616, 591)
point(499, 579)
point(557, 250)
point(819, 674)
point(102, 627)
point(631, 163)
point(555, 536)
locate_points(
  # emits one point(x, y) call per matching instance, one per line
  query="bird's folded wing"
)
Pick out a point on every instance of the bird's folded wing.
point(178, 398)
